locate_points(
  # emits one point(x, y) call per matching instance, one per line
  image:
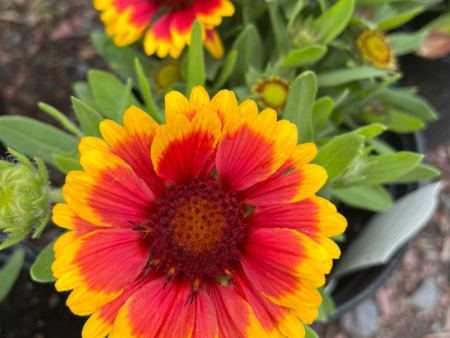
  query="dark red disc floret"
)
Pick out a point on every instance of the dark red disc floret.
point(197, 230)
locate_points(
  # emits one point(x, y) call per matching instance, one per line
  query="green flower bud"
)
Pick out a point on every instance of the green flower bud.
point(24, 198)
point(304, 34)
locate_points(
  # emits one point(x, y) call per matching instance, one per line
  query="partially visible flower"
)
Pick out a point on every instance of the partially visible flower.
point(168, 33)
point(375, 49)
point(162, 247)
point(166, 75)
point(435, 45)
point(24, 203)
point(272, 93)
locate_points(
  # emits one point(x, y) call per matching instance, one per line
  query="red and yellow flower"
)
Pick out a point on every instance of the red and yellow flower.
point(166, 24)
point(205, 227)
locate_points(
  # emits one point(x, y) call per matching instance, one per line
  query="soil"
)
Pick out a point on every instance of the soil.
point(45, 47)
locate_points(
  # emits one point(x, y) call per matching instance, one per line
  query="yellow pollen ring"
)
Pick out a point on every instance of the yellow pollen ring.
point(272, 93)
point(375, 48)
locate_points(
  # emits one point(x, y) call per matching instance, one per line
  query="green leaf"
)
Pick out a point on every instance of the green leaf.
point(278, 26)
point(196, 64)
point(109, 91)
point(337, 154)
point(89, 118)
point(418, 173)
point(400, 19)
point(331, 23)
point(380, 169)
point(404, 43)
point(342, 76)
point(327, 308)
point(249, 50)
point(227, 69)
point(410, 103)
point(10, 272)
point(66, 163)
point(124, 101)
point(370, 197)
point(370, 131)
point(381, 147)
point(34, 138)
point(83, 91)
point(309, 332)
point(396, 121)
point(146, 91)
point(299, 105)
point(304, 56)
point(15, 237)
point(321, 111)
point(41, 271)
point(61, 118)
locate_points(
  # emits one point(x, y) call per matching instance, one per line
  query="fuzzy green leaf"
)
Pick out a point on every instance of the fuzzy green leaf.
point(227, 69)
point(404, 43)
point(410, 103)
point(371, 197)
point(331, 23)
point(400, 19)
point(196, 66)
point(146, 91)
point(41, 271)
point(419, 173)
point(341, 76)
point(396, 121)
point(304, 56)
point(370, 131)
point(299, 105)
point(337, 154)
point(88, 117)
point(10, 272)
point(67, 163)
point(321, 111)
point(35, 138)
point(309, 332)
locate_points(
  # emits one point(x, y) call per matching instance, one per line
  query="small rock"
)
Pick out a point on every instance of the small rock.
point(362, 322)
point(425, 295)
point(436, 327)
point(383, 298)
point(445, 252)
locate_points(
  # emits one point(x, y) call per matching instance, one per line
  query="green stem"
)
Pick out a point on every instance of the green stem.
point(61, 118)
point(56, 196)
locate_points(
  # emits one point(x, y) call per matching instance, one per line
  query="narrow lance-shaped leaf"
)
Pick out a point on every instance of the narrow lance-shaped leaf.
point(34, 138)
point(124, 102)
point(41, 271)
point(370, 131)
point(146, 91)
point(419, 173)
point(299, 105)
point(279, 27)
point(331, 23)
point(196, 66)
point(89, 118)
point(337, 154)
point(250, 53)
point(400, 19)
point(10, 272)
point(342, 76)
point(404, 43)
point(304, 56)
point(67, 163)
point(380, 169)
point(309, 332)
point(227, 69)
point(371, 197)
point(321, 111)
point(61, 118)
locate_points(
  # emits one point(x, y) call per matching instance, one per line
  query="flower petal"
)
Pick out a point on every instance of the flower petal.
point(295, 186)
point(109, 193)
point(159, 39)
point(224, 103)
point(205, 317)
point(286, 267)
point(181, 26)
point(65, 217)
point(234, 316)
point(273, 317)
point(213, 44)
point(155, 311)
point(96, 281)
point(180, 151)
point(211, 12)
point(314, 217)
point(177, 105)
point(300, 183)
point(253, 147)
point(100, 324)
point(92, 143)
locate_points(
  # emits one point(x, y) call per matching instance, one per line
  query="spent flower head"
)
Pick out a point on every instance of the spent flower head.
point(375, 49)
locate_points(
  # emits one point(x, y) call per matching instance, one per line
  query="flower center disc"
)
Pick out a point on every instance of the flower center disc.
point(198, 229)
